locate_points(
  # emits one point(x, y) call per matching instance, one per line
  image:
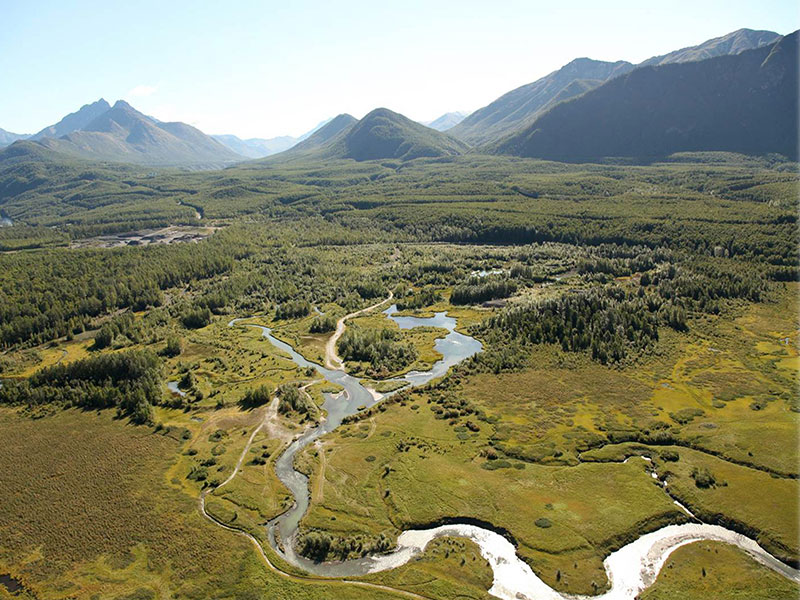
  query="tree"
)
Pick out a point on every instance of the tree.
point(173, 347)
point(103, 338)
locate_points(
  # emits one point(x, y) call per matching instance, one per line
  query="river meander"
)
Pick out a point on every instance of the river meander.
point(630, 569)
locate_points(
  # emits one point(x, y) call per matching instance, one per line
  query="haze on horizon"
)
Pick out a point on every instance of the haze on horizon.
point(257, 69)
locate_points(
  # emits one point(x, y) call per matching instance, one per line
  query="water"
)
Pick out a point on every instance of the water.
point(11, 584)
point(454, 348)
point(173, 387)
point(630, 569)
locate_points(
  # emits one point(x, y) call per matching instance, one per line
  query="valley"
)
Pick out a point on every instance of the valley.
point(546, 350)
point(549, 424)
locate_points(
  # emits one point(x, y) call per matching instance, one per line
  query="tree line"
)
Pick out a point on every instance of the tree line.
point(129, 380)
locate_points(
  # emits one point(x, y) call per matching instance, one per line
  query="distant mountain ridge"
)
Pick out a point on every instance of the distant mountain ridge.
point(6, 137)
point(745, 102)
point(260, 147)
point(256, 147)
point(446, 121)
point(120, 133)
point(522, 105)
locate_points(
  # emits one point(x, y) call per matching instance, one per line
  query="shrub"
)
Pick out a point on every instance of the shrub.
point(703, 478)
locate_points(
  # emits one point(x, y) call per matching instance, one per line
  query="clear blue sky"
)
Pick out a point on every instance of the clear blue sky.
point(265, 68)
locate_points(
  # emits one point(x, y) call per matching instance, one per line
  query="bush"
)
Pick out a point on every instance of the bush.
point(323, 324)
point(481, 289)
point(703, 478)
point(196, 318)
point(293, 309)
point(256, 397)
point(378, 347)
point(129, 381)
point(173, 347)
point(290, 398)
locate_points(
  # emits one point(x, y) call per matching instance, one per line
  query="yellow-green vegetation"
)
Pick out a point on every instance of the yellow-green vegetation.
point(631, 310)
point(297, 333)
point(72, 534)
point(760, 504)
point(66, 531)
point(407, 469)
point(705, 570)
point(450, 568)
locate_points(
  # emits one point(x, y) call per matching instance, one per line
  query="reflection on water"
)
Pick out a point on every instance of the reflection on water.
point(173, 387)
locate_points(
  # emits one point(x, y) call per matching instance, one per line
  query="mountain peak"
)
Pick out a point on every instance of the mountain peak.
point(742, 102)
point(74, 121)
point(123, 104)
point(122, 133)
point(383, 133)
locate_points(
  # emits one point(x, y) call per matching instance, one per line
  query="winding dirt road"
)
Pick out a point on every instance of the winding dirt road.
point(332, 360)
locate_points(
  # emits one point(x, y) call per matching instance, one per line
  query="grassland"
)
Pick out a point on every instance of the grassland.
point(405, 468)
point(67, 533)
point(712, 570)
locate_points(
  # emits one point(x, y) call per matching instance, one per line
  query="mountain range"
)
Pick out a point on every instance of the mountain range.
point(256, 147)
point(737, 92)
point(745, 102)
point(522, 105)
point(260, 147)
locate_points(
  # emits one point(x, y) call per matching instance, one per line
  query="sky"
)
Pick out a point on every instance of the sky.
point(267, 68)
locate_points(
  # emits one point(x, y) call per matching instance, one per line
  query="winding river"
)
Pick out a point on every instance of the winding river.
point(630, 569)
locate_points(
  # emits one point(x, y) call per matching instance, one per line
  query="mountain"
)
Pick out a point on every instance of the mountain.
point(382, 134)
point(260, 147)
point(516, 107)
point(6, 137)
point(446, 121)
point(521, 106)
point(256, 147)
point(319, 126)
point(732, 43)
point(123, 134)
point(386, 134)
point(74, 121)
point(745, 103)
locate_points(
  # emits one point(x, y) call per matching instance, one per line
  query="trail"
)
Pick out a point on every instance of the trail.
point(269, 421)
point(332, 360)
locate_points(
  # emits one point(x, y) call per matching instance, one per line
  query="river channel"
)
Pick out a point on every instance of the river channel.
point(630, 569)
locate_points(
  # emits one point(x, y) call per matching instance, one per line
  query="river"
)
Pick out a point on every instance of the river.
point(630, 569)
